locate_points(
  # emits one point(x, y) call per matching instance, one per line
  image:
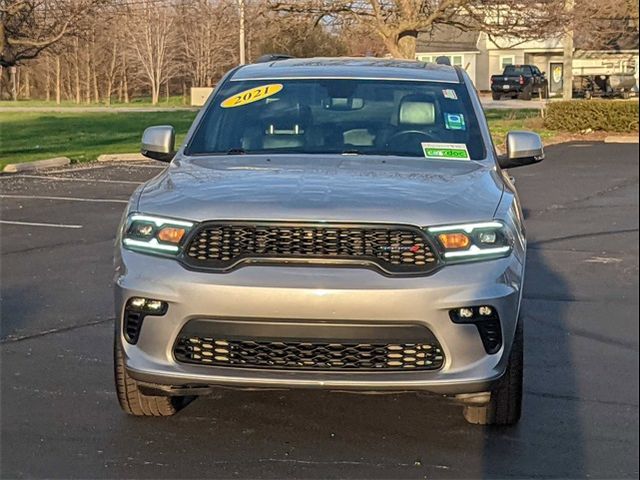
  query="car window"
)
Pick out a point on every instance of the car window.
point(517, 70)
point(336, 116)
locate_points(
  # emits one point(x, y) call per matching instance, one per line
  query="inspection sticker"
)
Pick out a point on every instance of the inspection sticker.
point(446, 151)
point(252, 95)
point(454, 121)
point(450, 94)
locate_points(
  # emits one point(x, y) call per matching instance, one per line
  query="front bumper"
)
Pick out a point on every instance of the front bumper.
point(315, 294)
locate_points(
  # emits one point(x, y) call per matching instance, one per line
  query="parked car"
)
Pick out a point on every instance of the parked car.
point(519, 81)
point(341, 224)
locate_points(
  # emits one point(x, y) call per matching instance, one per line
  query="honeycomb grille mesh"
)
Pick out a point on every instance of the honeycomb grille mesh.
point(394, 249)
point(308, 355)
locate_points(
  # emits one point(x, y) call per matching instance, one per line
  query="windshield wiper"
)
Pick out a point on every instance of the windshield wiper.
point(352, 152)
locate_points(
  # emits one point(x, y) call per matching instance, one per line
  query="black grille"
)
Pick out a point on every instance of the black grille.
point(491, 334)
point(311, 356)
point(393, 249)
point(132, 325)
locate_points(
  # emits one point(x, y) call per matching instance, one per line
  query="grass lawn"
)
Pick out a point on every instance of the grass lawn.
point(503, 121)
point(173, 101)
point(83, 136)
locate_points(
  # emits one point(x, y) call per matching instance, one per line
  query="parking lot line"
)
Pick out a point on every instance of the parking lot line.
point(77, 169)
point(37, 224)
point(105, 166)
point(70, 199)
point(70, 179)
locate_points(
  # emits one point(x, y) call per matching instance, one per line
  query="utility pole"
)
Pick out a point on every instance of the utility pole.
point(242, 42)
point(567, 61)
point(14, 87)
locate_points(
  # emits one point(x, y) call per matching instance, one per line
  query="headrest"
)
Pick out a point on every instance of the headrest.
point(416, 110)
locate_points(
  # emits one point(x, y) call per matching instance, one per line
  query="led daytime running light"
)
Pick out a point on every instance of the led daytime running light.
point(468, 227)
point(159, 221)
point(151, 244)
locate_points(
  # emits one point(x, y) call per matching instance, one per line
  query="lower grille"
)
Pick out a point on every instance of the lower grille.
point(308, 355)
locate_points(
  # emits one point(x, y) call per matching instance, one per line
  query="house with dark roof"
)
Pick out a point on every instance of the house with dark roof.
point(483, 56)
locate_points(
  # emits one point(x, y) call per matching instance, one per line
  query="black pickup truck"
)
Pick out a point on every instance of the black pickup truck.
point(519, 81)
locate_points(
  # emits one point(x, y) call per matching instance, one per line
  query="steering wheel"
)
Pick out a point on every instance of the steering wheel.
point(395, 138)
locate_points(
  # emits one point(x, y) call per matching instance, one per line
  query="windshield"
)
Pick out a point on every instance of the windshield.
point(334, 116)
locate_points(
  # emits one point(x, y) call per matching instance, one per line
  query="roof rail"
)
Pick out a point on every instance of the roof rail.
point(272, 57)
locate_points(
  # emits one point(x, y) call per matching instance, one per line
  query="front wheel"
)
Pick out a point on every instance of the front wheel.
point(505, 406)
point(131, 400)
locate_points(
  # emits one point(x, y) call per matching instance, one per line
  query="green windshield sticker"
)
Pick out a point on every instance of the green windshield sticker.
point(454, 121)
point(446, 151)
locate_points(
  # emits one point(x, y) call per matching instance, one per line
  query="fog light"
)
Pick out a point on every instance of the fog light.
point(465, 313)
point(137, 302)
point(147, 305)
point(154, 305)
point(486, 320)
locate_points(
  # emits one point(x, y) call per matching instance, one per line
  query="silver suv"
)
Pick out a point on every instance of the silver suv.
point(342, 224)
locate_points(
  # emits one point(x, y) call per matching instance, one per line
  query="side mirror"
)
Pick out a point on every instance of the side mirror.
point(523, 148)
point(158, 143)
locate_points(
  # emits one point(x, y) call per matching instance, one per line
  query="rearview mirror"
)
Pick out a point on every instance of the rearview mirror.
point(158, 143)
point(523, 148)
point(343, 104)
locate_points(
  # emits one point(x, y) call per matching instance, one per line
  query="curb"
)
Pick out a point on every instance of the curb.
point(37, 165)
point(122, 157)
point(621, 139)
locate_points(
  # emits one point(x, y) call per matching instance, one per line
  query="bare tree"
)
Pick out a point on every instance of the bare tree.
point(27, 27)
point(206, 47)
point(299, 36)
point(399, 22)
point(152, 39)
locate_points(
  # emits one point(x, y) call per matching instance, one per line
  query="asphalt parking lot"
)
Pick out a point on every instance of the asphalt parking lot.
point(60, 417)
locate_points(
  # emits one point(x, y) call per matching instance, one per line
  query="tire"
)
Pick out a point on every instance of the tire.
point(505, 406)
point(132, 401)
point(496, 96)
point(545, 91)
point(525, 95)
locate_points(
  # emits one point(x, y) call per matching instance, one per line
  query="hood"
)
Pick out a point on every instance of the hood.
point(331, 188)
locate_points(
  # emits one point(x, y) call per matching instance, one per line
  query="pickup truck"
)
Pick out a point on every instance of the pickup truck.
point(519, 81)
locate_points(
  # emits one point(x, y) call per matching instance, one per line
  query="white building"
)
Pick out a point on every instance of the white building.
point(481, 57)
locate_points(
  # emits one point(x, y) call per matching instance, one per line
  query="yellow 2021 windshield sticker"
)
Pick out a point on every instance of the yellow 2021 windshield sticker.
point(252, 95)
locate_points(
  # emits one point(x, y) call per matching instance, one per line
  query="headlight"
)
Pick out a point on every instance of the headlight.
point(472, 241)
point(155, 234)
